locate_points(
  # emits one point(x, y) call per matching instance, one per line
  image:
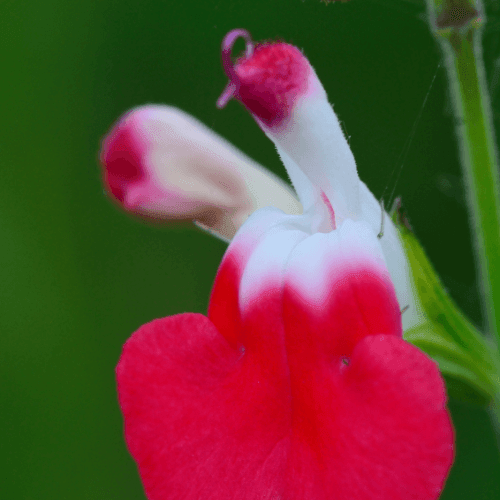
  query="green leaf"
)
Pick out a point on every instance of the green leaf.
point(468, 360)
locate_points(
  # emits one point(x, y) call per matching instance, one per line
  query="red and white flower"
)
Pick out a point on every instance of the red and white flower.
point(297, 385)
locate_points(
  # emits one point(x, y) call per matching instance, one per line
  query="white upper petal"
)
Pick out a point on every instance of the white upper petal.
point(324, 256)
point(313, 139)
point(395, 257)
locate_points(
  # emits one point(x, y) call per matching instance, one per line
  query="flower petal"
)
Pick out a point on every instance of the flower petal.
point(337, 290)
point(229, 298)
point(369, 413)
point(201, 420)
point(376, 428)
point(395, 258)
point(162, 163)
point(279, 87)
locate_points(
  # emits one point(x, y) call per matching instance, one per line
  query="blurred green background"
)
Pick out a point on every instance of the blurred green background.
point(78, 276)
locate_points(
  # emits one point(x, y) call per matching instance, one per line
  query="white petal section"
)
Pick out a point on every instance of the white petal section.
point(313, 139)
point(301, 183)
point(394, 256)
point(206, 166)
point(265, 266)
point(323, 257)
point(264, 271)
point(259, 224)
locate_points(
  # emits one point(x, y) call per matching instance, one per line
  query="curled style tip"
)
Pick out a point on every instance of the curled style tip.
point(227, 63)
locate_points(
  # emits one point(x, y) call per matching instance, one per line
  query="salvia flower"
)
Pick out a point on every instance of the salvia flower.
point(297, 385)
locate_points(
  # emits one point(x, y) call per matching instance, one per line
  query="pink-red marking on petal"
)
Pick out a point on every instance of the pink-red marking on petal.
point(329, 207)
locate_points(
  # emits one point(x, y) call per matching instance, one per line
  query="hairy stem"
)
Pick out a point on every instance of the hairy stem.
point(458, 26)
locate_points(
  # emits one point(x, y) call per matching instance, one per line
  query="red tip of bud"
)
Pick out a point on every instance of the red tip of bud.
point(271, 79)
point(121, 163)
point(267, 80)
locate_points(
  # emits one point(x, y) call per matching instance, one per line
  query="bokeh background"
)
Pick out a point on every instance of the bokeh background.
point(78, 276)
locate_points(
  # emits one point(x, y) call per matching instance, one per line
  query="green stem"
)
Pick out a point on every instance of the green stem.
point(480, 166)
point(458, 26)
point(480, 171)
point(464, 64)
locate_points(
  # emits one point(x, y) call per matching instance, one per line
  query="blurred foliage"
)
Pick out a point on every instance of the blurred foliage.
point(78, 276)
